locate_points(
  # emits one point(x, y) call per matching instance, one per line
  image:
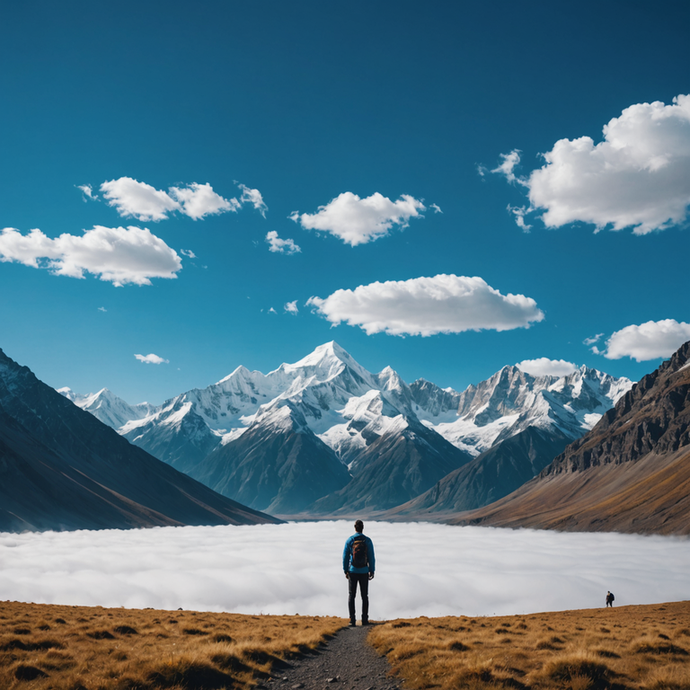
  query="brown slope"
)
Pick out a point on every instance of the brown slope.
point(631, 473)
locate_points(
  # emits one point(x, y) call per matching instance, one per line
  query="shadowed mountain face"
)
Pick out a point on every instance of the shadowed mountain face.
point(398, 465)
point(488, 477)
point(631, 473)
point(279, 465)
point(61, 468)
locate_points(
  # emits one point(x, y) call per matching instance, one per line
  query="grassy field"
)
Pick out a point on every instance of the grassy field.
point(628, 647)
point(91, 648)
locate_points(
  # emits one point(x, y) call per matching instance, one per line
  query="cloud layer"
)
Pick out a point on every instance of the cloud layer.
point(543, 366)
point(117, 255)
point(358, 221)
point(650, 340)
point(146, 203)
point(638, 176)
point(426, 306)
point(454, 571)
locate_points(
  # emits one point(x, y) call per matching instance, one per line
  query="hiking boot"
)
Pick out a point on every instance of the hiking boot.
point(353, 624)
point(365, 622)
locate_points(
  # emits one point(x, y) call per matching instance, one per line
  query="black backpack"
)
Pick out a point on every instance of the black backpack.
point(360, 558)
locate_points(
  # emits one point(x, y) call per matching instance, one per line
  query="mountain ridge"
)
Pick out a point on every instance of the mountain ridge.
point(62, 468)
point(630, 473)
point(355, 414)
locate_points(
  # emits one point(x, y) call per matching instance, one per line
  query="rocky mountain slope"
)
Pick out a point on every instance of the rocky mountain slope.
point(630, 473)
point(395, 440)
point(61, 468)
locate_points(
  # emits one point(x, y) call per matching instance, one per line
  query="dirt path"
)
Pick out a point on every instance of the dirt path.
point(347, 662)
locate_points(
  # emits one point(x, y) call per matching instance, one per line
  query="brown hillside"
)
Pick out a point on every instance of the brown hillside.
point(631, 473)
point(626, 648)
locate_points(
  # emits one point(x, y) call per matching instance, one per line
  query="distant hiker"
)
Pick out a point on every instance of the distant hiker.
point(609, 599)
point(359, 564)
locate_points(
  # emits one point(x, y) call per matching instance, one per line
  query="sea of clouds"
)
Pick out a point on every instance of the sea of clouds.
point(422, 569)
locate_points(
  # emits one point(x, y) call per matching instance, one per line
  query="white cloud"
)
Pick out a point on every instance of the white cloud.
point(358, 221)
point(188, 253)
point(436, 208)
point(103, 309)
point(272, 311)
point(638, 176)
point(650, 340)
point(253, 197)
point(276, 244)
point(144, 202)
point(199, 200)
point(426, 306)
point(519, 213)
point(138, 199)
point(543, 366)
point(477, 571)
point(116, 255)
point(87, 191)
point(594, 339)
point(507, 167)
point(291, 307)
point(152, 359)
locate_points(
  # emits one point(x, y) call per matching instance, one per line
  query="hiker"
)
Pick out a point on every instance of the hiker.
point(609, 599)
point(359, 564)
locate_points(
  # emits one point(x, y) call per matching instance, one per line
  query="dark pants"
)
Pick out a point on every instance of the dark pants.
point(363, 580)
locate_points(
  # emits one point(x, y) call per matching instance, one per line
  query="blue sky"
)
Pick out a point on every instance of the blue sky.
point(369, 132)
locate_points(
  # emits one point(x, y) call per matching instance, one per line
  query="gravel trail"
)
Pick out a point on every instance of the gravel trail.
point(346, 662)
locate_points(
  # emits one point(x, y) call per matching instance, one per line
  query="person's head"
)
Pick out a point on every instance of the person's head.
point(359, 526)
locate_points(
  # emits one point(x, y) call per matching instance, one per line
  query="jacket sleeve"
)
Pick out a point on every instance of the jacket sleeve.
point(372, 557)
point(347, 554)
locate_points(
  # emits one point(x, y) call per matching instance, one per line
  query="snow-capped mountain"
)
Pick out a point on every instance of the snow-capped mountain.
point(512, 400)
point(326, 406)
point(107, 407)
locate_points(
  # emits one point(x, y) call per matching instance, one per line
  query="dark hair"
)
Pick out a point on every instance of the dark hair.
point(359, 526)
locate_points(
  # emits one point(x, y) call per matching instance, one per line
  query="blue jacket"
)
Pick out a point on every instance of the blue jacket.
point(347, 556)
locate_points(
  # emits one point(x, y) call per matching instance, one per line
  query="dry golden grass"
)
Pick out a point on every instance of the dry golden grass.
point(628, 647)
point(92, 648)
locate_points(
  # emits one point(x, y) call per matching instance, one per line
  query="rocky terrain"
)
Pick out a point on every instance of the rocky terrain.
point(630, 473)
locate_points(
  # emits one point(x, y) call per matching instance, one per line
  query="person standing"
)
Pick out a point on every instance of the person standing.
point(359, 564)
point(609, 599)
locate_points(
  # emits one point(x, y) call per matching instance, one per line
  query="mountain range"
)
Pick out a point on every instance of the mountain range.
point(62, 468)
point(325, 437)
point(630, 473)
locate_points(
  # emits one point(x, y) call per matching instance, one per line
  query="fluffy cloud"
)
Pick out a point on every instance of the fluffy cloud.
point(650, 340)
point(199, 200)
point(253, 197)
point(152, 359)
point(276, 244)
point(138, 199)
point(358, 221)
point(144, 202)
point(543, 366)
point(426, 306)
point(291, 307)
point(477, 571)
point(188, 253)
point(638, 176)
point(116, 255)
